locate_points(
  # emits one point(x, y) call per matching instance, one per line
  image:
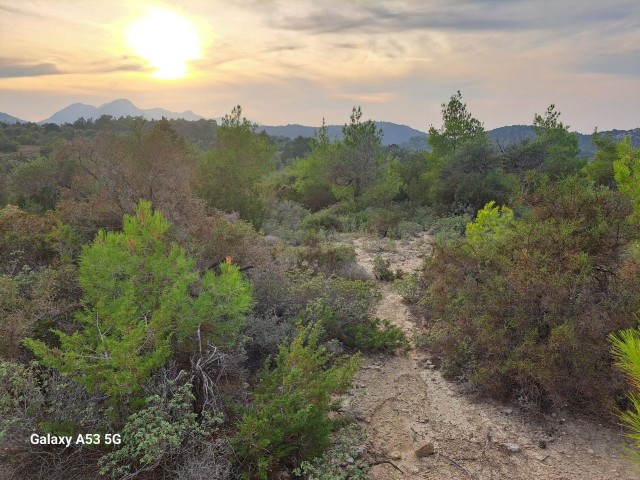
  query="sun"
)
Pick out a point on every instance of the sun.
point(166, 40)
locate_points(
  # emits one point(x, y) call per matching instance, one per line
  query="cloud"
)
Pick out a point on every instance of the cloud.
point(463, 16)
point(622, 63)
point(13, 69)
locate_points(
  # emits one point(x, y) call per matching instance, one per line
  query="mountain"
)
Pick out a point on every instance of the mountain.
point(117, 109)
point(6, 118)
point(392, 132)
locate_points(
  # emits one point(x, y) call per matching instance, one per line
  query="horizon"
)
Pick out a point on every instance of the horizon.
point(399, 61)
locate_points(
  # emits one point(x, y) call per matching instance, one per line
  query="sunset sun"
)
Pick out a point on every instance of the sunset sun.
point(168, 41)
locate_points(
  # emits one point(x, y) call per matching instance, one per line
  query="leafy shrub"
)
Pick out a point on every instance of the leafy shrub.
point(450, 228)
point(381, 221)
point(381, 269)
point(363, 333)
point(342, 461)
point(285, 221)
point(528, 308)
point(264, 334)
point(328, 259)
point(159, 431)
point(324, 219)
point(288, 421)
point(409, 287)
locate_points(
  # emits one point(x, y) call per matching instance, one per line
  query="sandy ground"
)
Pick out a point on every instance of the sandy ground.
point(404, 404)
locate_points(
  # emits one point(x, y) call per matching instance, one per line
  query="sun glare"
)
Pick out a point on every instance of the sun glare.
point(166, 40)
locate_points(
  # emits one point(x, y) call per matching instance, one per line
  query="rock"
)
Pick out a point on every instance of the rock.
point(511, 447)
point(591, 452)
point(508, 411)
point(425, 450)
point(395, 455)
point(349, 459)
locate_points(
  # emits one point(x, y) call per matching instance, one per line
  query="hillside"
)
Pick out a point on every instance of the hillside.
point(6, 118)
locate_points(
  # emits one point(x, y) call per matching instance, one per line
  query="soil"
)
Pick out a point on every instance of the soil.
point(405, 405)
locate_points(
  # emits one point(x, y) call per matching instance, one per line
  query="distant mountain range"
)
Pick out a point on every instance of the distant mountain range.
point(6, 118)
point(117, 109)
point(393, 133)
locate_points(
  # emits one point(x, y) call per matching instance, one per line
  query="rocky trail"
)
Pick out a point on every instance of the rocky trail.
point(421, 426)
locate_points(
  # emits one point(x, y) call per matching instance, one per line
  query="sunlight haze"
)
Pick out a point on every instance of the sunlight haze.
point(299, 62)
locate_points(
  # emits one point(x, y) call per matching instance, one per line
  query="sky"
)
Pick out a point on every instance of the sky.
point(288, 61)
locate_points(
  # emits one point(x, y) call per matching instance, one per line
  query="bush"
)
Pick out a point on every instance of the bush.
point(409, 287)
point(342, 461)
point(381, 269)
point(363, 333)
point(323, 220)
point(525, 309)
point(285, 221)
point(157, 434)
point(288, 421)
point(382, 222)
point(328, 259)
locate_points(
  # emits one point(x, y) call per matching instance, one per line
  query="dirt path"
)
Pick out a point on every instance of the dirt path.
point(405, 404)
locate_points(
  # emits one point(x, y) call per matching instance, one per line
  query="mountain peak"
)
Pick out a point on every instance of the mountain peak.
point(120, 107)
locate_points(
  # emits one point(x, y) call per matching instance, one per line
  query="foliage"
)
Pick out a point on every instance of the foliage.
point(626, 352)
point(381, 269)
point(136, 300)
point(458, 126)
point(364, 333)
point(409, 288)
point(342, 461)
point(491, 221)
point(530, 309)
point(627, 174)
point(157, 432)
point(288, 421)
point(229, 176)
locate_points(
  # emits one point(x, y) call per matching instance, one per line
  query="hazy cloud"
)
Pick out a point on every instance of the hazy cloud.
point(13, 69)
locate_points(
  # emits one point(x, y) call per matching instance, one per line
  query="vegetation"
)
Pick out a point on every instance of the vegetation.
point(187, 284)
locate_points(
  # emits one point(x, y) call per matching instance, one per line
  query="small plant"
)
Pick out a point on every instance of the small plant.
point(342, 461)
point(288, 421)
point(381, 269)
point(409, 287)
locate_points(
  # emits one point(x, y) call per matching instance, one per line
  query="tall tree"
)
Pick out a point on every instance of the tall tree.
point(458, 126)
point(231, 172)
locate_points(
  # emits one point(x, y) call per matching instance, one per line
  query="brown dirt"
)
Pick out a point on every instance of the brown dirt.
point(404, 403)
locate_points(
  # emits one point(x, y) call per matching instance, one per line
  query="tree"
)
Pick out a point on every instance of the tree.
point(359, 159)
point(560, 145)
point(458, 126)
point(139, 303)
point(289, 417)
point(231, 172)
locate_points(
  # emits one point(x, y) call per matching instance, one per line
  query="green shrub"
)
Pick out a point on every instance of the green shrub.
point(409, 287)
point(525, 310)
point(158, 433)
point(363, 332)
point(342, 461)
point(382, 222)
point(285, 221)
point(288, 421)
point(328, 259)
point(323, 220)
point(381, 269)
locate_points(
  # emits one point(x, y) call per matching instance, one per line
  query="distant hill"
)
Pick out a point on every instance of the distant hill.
point(392, 132)
point(117, 109)
point(505, 136)
point(6, 118)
